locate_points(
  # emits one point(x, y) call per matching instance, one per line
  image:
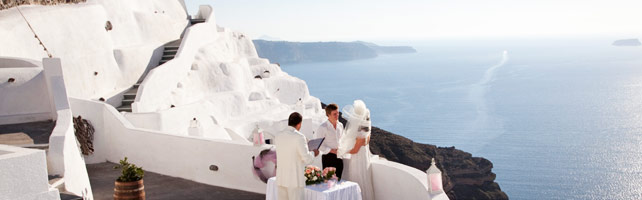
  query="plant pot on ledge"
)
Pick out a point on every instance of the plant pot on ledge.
point(129, 186)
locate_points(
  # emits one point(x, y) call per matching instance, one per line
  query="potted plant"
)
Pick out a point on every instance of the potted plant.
point(130, 183)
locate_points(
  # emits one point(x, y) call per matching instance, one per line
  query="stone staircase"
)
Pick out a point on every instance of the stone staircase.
point(128, 98)
point(169, 52)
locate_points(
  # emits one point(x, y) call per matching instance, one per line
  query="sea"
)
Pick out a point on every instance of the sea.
point(559, 118)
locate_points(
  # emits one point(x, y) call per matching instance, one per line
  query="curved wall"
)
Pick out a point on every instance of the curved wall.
point(25, 98)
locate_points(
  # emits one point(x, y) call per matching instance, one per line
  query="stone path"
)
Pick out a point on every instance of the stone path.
point(158, 186)
point(26, 133)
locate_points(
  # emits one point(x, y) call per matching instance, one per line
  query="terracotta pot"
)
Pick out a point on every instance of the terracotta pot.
point(129, 190)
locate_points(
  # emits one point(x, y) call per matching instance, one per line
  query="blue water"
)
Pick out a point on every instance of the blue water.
point(559, 119)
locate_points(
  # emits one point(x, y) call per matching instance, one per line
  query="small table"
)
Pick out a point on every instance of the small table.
point(331, 190)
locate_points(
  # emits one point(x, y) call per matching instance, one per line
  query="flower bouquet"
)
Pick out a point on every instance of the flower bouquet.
point(313, 175)
point(330, 173)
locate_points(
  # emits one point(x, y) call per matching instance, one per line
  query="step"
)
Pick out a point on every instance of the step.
point(168, 57)
point(162, 62)
point(196, 21)
point(170, 48)
point(129, 95)
point(124, 108)
point(127, 102)
point(56, 181)
point(132, 90)
point(16, 139)
point(170, 52)
point(35, 146)
point(69, 196)
point(136, 85)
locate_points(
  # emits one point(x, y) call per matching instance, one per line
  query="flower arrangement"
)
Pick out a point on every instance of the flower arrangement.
point(330, 173)
point(314, 174)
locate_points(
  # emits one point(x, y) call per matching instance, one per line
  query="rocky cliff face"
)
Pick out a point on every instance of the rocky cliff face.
point(464, 176)
point(5, 4)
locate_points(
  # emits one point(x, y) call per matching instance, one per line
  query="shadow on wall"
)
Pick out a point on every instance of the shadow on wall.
point(8, 62)
point(151, 64)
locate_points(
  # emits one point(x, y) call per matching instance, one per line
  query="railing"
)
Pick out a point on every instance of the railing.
point(64, 155)
point(397, 181)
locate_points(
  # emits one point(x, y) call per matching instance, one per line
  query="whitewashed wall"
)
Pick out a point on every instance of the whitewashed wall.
point(180, 156)
point(178, 121)
point(212, 78)
point(397, 181)
point(119, 56)
point(215, 124)
point(27, 98)
point(24, 174)
point(64, 157)
point(156, 151)
point(155, 90)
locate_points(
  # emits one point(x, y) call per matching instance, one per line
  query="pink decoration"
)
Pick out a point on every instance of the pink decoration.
point(255, 139)
point(435, 182)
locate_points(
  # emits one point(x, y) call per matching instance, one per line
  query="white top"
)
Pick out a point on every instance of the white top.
point(331, 135)
point(342, 190)
point(292, 154)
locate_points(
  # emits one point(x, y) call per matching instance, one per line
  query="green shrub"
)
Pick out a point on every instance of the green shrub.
point(130, 172)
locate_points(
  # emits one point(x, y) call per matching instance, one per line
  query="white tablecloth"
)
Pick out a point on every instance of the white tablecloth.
point(344, 190)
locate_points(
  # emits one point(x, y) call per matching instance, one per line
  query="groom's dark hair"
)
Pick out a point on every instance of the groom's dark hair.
point(295, 118)
point(331, 107)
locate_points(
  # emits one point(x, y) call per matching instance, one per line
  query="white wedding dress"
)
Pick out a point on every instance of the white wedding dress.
point(357, 166)
point(358, 170)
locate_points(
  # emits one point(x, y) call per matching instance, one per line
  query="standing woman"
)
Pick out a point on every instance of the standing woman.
point(354, 148)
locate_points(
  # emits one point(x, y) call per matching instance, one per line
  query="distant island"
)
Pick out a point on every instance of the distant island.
point(627, 42)
point(284, 52)
point(269, 38)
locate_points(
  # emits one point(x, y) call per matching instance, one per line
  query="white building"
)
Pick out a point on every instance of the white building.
point(188, 113)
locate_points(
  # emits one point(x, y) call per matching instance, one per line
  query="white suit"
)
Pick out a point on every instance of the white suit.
point(292, 155)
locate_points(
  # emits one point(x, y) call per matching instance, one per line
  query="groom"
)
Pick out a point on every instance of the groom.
point(332, 130)
point(292, 154)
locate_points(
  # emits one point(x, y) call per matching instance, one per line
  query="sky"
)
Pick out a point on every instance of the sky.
point(348, 20)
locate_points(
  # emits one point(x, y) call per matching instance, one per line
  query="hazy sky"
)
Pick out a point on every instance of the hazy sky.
point(307, 20)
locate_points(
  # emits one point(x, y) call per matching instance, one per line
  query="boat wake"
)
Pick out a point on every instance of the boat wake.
point(485, 126)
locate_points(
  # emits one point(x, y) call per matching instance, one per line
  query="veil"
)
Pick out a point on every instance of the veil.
point(358, 125)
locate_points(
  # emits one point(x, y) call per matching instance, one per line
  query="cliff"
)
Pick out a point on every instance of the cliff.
point(464, 176)
point(627, 42)
point(297, 52)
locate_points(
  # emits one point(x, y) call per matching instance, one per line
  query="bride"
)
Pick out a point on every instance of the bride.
point(354, 148)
